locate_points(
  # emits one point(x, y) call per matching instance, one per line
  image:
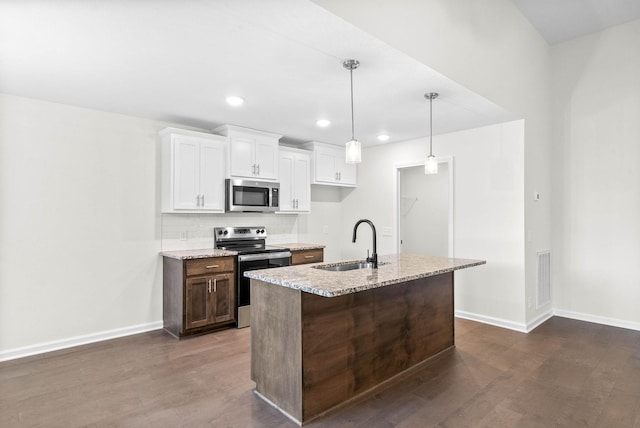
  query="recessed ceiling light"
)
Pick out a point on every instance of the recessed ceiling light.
point(323, 123)
point(235, 101)
point(383, 137)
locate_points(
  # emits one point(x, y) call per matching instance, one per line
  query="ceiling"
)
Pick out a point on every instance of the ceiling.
point(177, 61)
point(562, 20)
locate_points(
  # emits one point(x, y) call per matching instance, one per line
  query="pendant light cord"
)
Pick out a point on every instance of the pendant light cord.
point(430, 126)
point(352, 125)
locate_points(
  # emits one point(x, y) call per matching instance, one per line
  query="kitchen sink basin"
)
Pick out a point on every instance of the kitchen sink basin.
point(362, 264)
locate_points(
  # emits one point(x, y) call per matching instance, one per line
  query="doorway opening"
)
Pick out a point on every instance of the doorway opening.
point(424, 209)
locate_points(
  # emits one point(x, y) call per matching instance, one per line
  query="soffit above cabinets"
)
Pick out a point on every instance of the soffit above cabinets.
point(177, 61)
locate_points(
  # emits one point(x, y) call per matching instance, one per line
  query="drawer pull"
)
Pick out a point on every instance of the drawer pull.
point(309, 257)
point(212, 266)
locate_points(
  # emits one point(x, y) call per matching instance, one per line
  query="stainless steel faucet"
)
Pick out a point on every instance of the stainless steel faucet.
point(374, 257)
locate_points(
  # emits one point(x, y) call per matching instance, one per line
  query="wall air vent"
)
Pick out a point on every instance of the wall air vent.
point(543, 286)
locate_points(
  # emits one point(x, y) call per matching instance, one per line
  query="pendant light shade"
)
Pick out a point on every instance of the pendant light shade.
point(353, 150)
point(431, 164)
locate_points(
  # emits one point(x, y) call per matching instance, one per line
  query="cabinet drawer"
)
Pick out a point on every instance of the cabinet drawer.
point(210, 265)
point(307, 256)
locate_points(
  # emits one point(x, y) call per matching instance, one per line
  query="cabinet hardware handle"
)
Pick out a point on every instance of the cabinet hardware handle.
point(253, 169)
point(309, 257)
point(258, 169)
point(215, 285)
point(197, 200)
point(339, 176)
point(209, 286)
point(212, 266)
point(202, 201)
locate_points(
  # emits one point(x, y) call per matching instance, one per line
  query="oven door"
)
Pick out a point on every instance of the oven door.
point(246, 263)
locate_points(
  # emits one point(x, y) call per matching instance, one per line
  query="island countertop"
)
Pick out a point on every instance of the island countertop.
point(392, 269)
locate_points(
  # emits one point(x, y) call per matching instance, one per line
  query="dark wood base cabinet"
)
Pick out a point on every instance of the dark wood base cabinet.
point(198, 295)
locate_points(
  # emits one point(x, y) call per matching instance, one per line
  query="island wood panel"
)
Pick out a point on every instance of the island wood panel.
point(312, 353)
point(354, 342)
point(276, 346)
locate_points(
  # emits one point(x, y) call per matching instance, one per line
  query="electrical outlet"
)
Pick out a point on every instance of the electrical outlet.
point(386, 231)
point(529, 303)
point(325, 229)
point(183, 236)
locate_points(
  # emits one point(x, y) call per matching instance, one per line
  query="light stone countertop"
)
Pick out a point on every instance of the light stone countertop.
point(197, 254)
point(298, 246)
point(397, 268)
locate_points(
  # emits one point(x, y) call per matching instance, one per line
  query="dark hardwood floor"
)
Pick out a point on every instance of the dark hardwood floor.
point(565, 373)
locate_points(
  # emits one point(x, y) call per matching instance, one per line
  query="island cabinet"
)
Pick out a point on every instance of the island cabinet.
point(252, 154)
point(342, 334)
point(199, 294)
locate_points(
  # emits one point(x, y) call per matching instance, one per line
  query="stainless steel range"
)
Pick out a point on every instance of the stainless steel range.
point(253, 254)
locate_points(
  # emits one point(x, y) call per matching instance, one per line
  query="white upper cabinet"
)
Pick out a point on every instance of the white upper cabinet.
point(193, 171)
point(329, 167)
point(295, 182)
point(252, 154)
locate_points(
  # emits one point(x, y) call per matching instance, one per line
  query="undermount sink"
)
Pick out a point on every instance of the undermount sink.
point(362, 264)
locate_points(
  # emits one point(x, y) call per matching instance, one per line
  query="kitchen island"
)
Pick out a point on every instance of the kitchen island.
point(321, 338)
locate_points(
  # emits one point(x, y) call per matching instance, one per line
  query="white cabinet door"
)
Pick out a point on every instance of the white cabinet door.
point(193, 171)
point(253, 154)
point(295, 181)
point(329, 165)
point(186, 173)
point(346, 172)
point(243, 156)
point(287, 160)
point(325, 163)
point(266, 158)
point(302, 182)
point(212, 175)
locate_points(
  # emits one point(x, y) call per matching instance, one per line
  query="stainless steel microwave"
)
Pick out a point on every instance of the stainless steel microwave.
point(251, 196)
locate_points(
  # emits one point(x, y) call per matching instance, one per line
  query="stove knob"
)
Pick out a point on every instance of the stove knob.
point(226, 232)
point(262, 231)
point(219, 232)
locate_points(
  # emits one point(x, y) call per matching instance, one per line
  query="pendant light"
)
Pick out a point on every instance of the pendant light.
point(353, 150)
point(431, 164)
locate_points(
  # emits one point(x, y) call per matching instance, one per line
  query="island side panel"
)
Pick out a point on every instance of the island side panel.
point(354, 342)
point(276, 350)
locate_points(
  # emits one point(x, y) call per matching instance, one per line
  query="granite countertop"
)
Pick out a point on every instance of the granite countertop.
point(197, 254)
point(298, 246)
point(396, 268)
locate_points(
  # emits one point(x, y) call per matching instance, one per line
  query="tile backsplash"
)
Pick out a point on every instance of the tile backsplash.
point(194, 231)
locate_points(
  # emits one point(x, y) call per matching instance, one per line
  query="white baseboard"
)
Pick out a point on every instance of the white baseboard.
point(498, 322)
point(614, 322)
point(55, 345)
point(542, 318)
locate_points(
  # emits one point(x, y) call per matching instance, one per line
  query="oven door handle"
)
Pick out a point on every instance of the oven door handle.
point(263, 256)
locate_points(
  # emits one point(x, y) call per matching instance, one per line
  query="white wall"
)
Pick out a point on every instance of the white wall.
point(79, 223)
point(81, 229)
point(424, 211)
point(488, 212)
point(490, 48)
point(323, 225)
point(596, 110)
